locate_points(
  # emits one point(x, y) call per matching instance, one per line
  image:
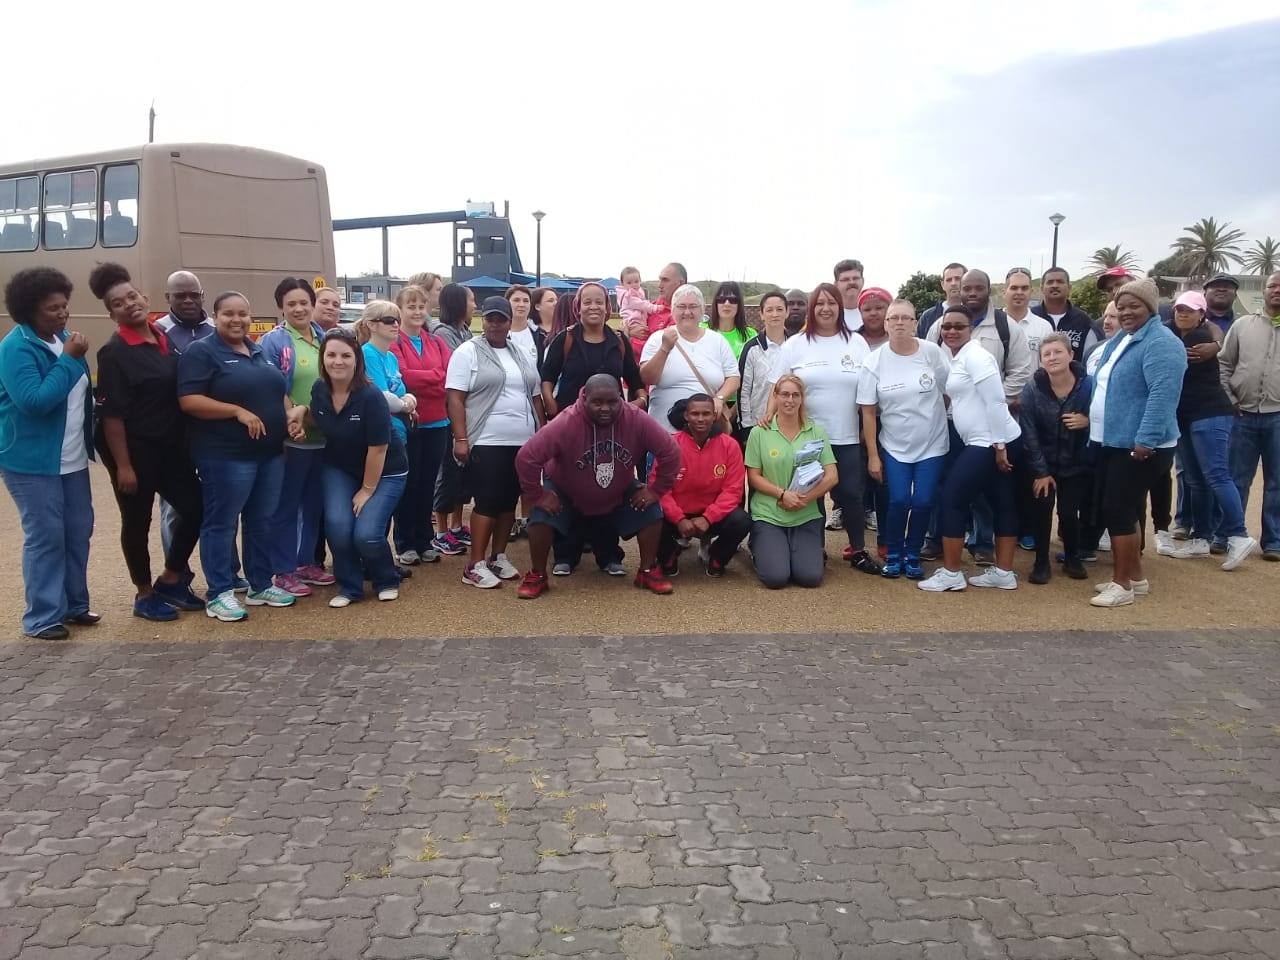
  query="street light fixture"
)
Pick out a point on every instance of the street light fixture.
point(1056, 220)
point(538, 215)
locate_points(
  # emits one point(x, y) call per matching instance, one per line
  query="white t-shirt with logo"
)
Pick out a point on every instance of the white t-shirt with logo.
point(909, 391)
point(711, 354)
point(829, 368)
point(75, 456)
point(971, 413)
point(523, 339)
point(510, 423)
point(1036, 328)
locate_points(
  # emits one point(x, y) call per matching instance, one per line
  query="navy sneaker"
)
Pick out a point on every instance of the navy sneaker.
point(178, 595)
point(911, 567)
point(892, 568)
point(153, 608)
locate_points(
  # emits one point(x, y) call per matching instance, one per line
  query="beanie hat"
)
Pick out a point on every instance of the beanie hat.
point(1144, 290)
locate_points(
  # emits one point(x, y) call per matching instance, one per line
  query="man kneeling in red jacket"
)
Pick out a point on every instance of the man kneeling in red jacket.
point(705, 501)
point(580, 470)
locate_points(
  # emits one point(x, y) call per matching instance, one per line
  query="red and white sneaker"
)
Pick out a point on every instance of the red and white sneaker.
point(533, 586)
point(654, 580)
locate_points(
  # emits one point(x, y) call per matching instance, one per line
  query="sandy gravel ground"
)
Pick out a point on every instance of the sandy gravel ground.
point(1186, 594)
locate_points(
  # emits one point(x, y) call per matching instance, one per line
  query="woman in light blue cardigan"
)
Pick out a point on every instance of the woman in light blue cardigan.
point(46, 442)
point(1134, 416)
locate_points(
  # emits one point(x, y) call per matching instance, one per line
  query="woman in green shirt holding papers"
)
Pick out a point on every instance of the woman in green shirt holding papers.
point(790, 467)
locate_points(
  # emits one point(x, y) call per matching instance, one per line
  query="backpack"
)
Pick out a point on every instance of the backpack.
point(1002, 329)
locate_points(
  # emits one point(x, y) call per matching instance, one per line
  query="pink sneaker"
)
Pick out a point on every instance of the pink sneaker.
point(316, 576)
point(291, 585)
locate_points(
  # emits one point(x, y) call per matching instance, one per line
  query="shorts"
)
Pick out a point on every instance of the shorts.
point(490, 478)
point(626, 520)
point(1127, 481)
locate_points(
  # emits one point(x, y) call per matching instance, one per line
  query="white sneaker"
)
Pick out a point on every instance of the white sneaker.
point(391, 593)
point(1165, 545)
point(1239, 549)
point(503, 568)
point(479, 575)
point(1140, 588)
point(995, 577)
point(1113, 596)
point(1187, 550)
point(339, 601)
point(1104, 542)
point(943, 580)
point(835, 519)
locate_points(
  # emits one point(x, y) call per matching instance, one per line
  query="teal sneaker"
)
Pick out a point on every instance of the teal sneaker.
point(272, 596)
point(225, 607)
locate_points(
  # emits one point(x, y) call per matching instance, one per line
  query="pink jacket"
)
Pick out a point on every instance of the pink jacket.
point(423, 374)
point(659, 318)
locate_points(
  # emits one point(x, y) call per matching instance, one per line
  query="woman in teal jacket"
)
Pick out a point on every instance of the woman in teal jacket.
point(46, 442)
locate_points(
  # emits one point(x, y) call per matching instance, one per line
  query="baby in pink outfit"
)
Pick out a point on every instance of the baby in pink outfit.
point(635, 308)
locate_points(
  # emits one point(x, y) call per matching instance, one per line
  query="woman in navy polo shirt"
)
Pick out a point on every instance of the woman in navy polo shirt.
point(235, 403)
point(365, 468)
point(143, 445)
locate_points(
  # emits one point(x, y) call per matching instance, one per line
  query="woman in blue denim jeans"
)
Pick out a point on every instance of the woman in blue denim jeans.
point(365, 469)
point(46, 442)
point(234, 399)
point(1205, 419)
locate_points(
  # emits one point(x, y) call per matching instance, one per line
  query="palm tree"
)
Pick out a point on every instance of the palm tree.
point(1264, 258)
point(1104, 258)
point(1209, 248)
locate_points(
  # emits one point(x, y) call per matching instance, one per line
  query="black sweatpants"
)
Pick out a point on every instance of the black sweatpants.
point(1072, 494)
point(166, 470)
point(729, 534)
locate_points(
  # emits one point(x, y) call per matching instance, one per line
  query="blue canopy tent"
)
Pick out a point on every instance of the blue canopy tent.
point(487, 284)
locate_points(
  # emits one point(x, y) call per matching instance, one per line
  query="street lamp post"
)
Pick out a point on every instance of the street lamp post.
point(538, 215)
point(1056, 220)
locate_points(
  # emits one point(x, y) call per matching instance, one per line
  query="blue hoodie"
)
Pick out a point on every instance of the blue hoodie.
point(34, 385)
point(1145, 385)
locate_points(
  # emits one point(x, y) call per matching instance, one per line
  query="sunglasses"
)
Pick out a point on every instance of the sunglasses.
point(953, 326)
point(726, 299)
point(389, 321)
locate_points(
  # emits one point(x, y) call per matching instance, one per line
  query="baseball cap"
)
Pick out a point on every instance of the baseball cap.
point(1193, 299)
point(1120, 273)
point(495, 305)
point(1222, 278)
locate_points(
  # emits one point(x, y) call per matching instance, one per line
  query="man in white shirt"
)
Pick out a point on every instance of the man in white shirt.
point(1017, 300)
point(849, 280)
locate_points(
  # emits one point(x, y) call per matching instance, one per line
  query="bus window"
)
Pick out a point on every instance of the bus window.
point(70, 210)
point(120, 205)
point(19, 212)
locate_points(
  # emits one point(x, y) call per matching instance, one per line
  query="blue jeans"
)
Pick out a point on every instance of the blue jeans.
point(297, 518)
point(1257, 437)
point(913, 488)
point(238, 493)
point(360, 540)
point(57, 522)
point(1204, 450)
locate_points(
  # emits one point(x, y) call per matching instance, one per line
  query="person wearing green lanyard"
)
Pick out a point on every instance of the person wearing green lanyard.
point(790, 467)
point(294, 348)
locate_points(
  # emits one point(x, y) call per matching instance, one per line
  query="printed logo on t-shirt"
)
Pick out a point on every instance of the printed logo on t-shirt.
point(926, 382)
point(775, 453)
point(605, 448)
point(847, 362)
point(720, 470)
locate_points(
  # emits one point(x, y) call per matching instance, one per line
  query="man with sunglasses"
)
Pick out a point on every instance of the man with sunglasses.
point(186, 321)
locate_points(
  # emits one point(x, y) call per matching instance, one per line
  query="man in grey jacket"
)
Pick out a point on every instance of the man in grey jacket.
point(1249, 365)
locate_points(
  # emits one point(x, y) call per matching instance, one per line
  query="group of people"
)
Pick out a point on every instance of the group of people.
point(959, 428)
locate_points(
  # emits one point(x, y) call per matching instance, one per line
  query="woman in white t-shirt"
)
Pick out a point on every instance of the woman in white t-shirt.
point(984, 465)
point(687, 359)
point(905, 379)
point(827, 357)
point(494, 407)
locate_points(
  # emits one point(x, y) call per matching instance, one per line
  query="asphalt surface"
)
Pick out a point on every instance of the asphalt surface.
point(937, 795)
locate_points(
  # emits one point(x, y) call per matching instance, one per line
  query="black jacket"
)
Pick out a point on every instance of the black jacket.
point(1051, 449)
point(927, 318)
point(1077, 325)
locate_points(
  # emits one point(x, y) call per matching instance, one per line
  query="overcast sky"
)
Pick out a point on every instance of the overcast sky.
point(758, 141)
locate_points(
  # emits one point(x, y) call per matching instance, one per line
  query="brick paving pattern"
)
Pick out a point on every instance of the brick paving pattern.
point(755, 798)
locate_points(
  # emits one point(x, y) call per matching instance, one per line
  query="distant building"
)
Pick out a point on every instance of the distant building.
point(366, 289)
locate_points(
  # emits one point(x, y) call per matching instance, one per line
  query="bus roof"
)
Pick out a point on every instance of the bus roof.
point(223, 151)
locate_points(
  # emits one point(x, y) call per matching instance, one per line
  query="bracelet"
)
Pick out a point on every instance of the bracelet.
point(369, 488)
point(459, 439)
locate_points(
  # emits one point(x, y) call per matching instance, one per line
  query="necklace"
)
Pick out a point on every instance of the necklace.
point(604, 471)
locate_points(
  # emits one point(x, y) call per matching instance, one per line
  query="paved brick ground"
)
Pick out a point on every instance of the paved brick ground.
point(1025, 796)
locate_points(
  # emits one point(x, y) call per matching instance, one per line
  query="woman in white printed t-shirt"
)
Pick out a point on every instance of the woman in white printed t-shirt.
point(980, 414)
point(687, 359)
point(905, 380)
point(827, 356)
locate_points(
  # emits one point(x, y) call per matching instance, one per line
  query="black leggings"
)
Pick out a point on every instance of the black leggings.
point(1072, 494)
point(973, 473)
point(168, 471)
point(728, 533)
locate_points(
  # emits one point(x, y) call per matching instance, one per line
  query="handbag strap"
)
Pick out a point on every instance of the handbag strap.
point(696, 372)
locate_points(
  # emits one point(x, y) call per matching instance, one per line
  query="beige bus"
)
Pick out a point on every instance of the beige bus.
point(239, 218)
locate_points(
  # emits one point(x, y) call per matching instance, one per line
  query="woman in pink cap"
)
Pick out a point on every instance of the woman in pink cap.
point(873, 304)
point(1205, 419)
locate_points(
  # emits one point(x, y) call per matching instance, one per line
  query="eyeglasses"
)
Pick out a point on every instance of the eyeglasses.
point(953, 326)
point(389, 321)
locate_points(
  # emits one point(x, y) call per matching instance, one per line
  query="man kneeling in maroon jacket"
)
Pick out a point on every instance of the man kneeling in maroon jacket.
point(580, 470)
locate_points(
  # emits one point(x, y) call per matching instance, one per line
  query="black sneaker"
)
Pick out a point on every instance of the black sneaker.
point(1040, 572)
point(1074, 569)
point(983, 558)
point(178, 595)
point(670, 568)
point(931, 551)
point(715, 568)
point(56, 632)
point(862, 560)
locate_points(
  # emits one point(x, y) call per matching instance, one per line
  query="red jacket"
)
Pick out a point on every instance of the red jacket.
point(709, 484)
point(423, 374)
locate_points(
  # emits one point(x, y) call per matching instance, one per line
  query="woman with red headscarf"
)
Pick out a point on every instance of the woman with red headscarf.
point(585, 349)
